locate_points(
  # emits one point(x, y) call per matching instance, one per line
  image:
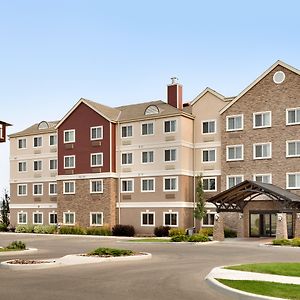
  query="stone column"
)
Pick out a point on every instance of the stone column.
point(218, 233)
point(240, 227)
point(297, 226)
point(281, 227)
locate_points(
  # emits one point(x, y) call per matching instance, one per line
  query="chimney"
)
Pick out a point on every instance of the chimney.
point(174, 93)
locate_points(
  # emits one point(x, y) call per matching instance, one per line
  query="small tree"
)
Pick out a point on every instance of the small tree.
point(199, 210)
point(5, 209)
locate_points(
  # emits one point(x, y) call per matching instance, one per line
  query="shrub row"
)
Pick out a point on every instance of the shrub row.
point(196, 238)
point(16, 245)
point(111, 252)
point(3, 227)
point(283, 242)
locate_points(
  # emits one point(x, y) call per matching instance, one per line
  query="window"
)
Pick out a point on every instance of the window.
point(96, 186)
point(170, 126)
point(233, 180)
point(208, 220)
point(69, 187)
point(69, 162)
point(127, 185)
point(96, 219)
point(293, 180)
point(53, 164)
point(265, 178)
point(22, 189)
point(209, 155)
point(147, 218)
point(96, 159)
point(53, 140)
point(127, 158)
point(171, 219)
point(37, 165)
point(170, 184)
point(147, 129)
point(209, 184)
point(262, 119)
point(126, 131)
point(37, 218)
point(234, 152)
point(22, 143)
point(69, 136)
point(148, 185)
point(292, 148)
point(170, 155)
point(208, 127)
point(52, 218)
point(234, 123)
point(22, 217)
point(97, 133)
point(147, 157)
point(69, 218)
point(52, 188)
point(37, 141)
point(22, 166)
point(262, 151)
point(293, 116)
point(37, 189)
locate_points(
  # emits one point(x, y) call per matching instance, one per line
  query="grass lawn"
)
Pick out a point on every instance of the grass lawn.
point(273, 289)
point(150, 240)
point(285, 269)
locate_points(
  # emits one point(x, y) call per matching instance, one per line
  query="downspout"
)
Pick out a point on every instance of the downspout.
point(119, 179)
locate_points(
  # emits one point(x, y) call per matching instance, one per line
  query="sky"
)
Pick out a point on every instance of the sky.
point(53, 52)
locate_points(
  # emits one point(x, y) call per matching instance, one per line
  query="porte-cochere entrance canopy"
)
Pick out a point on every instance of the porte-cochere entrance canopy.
point(236, 198)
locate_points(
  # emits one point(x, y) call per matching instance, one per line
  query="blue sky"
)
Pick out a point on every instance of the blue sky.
point(117, 52)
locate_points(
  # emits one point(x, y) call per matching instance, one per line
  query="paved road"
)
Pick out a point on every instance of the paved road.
point(176, 271)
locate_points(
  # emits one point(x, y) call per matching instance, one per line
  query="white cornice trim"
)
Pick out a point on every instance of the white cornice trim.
point(33, 156)
point(87, 176)
point(33, 180)
point(33, 205)
point(160, 205)
point(176, 172)
point(208, 145)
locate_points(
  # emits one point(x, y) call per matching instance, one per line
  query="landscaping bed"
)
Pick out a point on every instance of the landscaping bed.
point(295, 242)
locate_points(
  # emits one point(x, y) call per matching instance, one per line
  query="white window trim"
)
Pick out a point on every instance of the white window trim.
point(287, 181)
point(96, 139)
point(147, 212)
point(22, 195)
point(261, 113)
point(234, 159)
point(147, 163)
point(127, 137)
point(209, 161)
point(21, 162)
point(170, 132)
point(208, 133)
point(171, 161)
point(69, 193)
point(147, 133)
point(33, 185)
point(91, 160)
point(261, 144)
point(69, 130)
point(25, 213)
point(68, 156)
point(287, 148)
point(266, 174)
point(40, 213)
point(52, 213)
point(170, 212)
point(37, 136)
point(232, 116)
point(41, 166)
point(216, 184)
point(64, 218)
point(50, 183)
point(127, 179)
point(96, 212)
point(50, 139)
point(91, 184)
point(56, 164)
point(18, 143)
point(122, 159)
point(164, 184)
point(287, 116)
point(148, 191)
point(235, 176)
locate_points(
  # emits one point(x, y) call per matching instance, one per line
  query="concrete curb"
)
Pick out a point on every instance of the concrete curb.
point(26, 251)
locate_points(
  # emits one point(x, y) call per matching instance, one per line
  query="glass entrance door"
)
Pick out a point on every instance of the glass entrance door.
point(262, 224)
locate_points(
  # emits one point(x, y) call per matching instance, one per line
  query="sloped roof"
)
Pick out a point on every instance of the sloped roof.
point(208, 90)
point(5, 123)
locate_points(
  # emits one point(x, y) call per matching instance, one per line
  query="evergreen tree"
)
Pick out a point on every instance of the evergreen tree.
point(199, 210)
point(5, 210)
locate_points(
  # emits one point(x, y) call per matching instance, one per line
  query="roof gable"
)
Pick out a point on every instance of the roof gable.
point(207, 90)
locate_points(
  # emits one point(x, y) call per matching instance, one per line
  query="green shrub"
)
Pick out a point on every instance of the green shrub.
point(281, 242)
point(179, 238)
point(47, 229)
point(3, 227)
point(208, 231)
point(123, 230)
point(295, 242)
point(161, 231)
point(197, 238)
point(98, 231)
point(24, 228)
point(16, 245)
point(176, 231)
point(72, 230)
point(229, 233)
point(111, 252)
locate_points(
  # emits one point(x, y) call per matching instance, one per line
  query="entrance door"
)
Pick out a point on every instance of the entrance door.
point(262, 224)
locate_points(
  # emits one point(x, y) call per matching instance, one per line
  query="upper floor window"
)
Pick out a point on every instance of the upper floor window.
point(264, 178)
point(22, 189)
point(233, 180)
point(127, 158)
point(170, 184)
point(97, 133)
point(209, 155)
point(96, 159)
point(96, 186)
point(293, 116)
point(69, 162)
point(262, 151)
point(170, 155)
point(293, 180)
point(37, 141)
point(147, 129)
point(262, 119)
point(53, 164)
point(292, 148)
point(126, 131)
point(22, 143)
point(127, 185)
point(53, 140)
point(147, 157)
point(148, 185)
point(69, 136)
point(69, 187)
point(52, 188)
point(37, 165)
point(170, 126)
point(209, 184)
point(22, 166)
point(209, 126)
point(234, 152)
point(37, 189)
point(234, 123)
